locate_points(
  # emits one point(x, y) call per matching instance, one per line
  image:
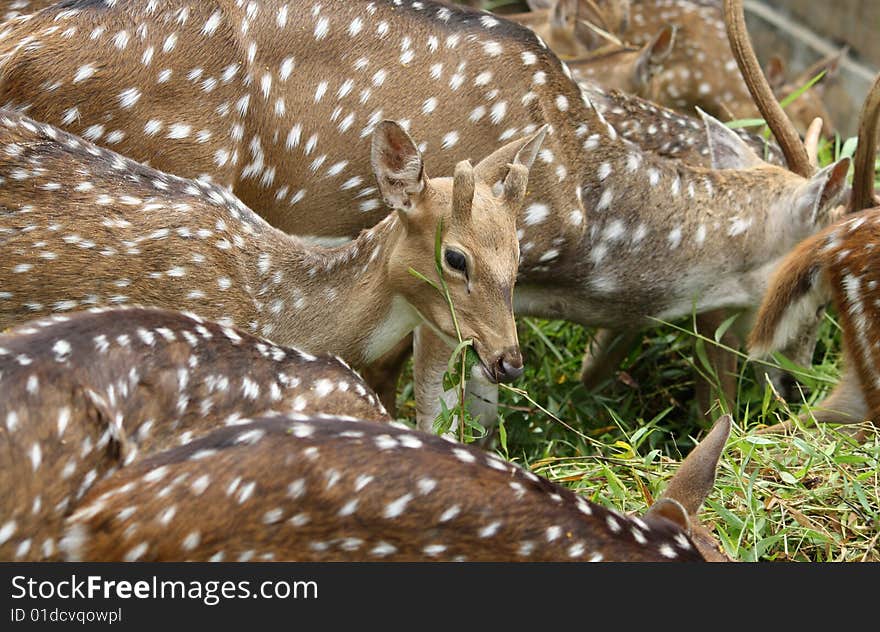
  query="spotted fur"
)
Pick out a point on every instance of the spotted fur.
point(83, 394)
point(308, 489)
point(607, 230)
point(83, 226)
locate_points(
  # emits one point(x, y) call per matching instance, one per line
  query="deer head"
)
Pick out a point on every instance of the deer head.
point(626, 68)
point(573, 28)
point(479, 250)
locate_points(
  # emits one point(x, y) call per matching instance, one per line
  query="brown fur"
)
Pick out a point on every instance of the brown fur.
point(587, 183)
point(309, 489)
point(81, 395)
point(88, 227)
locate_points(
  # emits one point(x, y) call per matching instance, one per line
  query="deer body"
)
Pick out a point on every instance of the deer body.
point(596, 203)
point(838, 265)
point(701, 70)
point(83, 394)
point(666, 132)
point(306, 489)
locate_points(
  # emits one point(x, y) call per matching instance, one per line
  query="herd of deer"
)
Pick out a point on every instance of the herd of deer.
point(195, 242)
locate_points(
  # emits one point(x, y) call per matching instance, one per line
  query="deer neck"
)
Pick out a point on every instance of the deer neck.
point(334, 300)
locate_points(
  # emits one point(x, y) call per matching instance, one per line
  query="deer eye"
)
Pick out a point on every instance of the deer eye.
point(456, 260)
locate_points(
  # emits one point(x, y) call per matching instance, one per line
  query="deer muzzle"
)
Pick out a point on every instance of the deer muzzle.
point(505, 366)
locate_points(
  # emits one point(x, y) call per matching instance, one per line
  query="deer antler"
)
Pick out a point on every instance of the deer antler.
point(786, 135)
point(811, 140)
point(866, 151)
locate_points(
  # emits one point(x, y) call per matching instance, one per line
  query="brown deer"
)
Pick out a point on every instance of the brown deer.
point(85, 226)
point(701, 71)
point(609, 234)
point(666, 132)
point(837, 264)
point(305, 489)
point(698, 73)
point(83, 394)
point(809, 105)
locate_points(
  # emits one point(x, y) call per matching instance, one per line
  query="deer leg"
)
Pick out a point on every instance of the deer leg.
point(384, 374)
point(721, 362)
point(604, 353)
point(430, 357)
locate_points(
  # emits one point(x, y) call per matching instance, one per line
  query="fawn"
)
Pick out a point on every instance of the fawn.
point(306, 489)
point(608, 232)
point(83, 394)
point(86, 226)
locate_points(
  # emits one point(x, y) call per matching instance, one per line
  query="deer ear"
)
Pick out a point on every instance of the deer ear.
point(494, 167)
point(823, 193)
point(726, 149)
point(653, 53)
point(398, 166)
point(695, 477)
point(537, 5)
point(671, 510)
point(562, 12)
point(775, 72)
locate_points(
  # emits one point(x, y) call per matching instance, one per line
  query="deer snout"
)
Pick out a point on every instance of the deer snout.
point(505, 366)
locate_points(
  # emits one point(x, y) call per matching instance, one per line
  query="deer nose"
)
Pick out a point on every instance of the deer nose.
point(790, 389)
point(508, 365)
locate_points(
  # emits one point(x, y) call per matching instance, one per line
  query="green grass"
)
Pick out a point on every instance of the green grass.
point(813, 495)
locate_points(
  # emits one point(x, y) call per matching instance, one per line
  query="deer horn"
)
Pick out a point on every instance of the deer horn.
point(515, 185)
point(780, 125)
point(463, 190)
point(811, 140)
point(866, 151)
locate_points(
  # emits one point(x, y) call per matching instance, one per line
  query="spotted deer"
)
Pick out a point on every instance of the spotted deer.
point(303, 489)
point(698, 72)
point(289, 94)
point(837, 265)
point(83, 394)
point(666, 132)
point(701, 71)
point(85, 226)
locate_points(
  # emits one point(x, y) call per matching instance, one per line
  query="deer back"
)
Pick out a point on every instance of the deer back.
point(308, 489)
point(81, 395)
